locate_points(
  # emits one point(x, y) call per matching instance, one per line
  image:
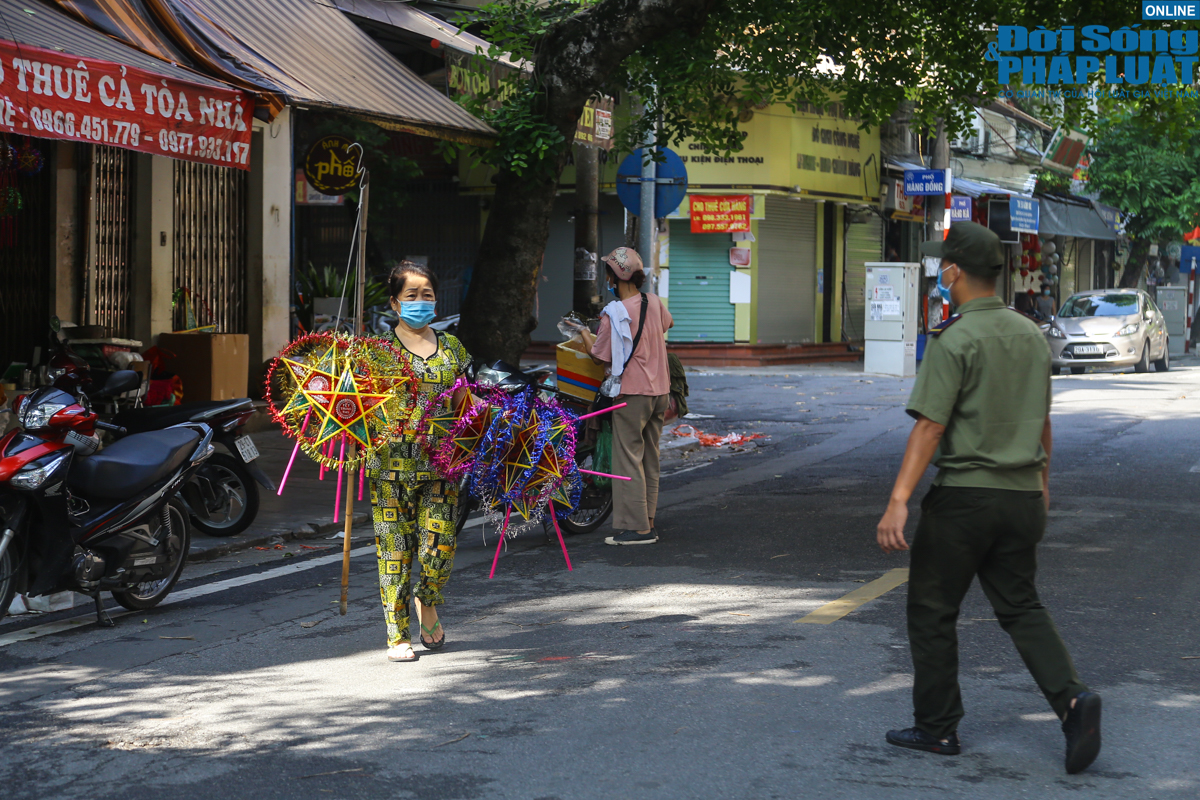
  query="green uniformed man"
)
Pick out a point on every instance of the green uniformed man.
point(982, 405)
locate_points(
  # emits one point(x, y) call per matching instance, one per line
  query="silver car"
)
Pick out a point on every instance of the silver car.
point(1108, 328)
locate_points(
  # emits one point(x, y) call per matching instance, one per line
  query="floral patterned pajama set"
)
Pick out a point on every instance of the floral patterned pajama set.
point(414, 511)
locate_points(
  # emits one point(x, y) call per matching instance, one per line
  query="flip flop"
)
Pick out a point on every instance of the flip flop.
point(432, 645)
point(395, 650)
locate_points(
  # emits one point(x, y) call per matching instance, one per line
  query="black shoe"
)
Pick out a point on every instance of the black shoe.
point(1082, 729)
point(633, 537)
point(917, 739)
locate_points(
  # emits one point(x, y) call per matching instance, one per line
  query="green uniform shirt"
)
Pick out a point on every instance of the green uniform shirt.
point(986, 377)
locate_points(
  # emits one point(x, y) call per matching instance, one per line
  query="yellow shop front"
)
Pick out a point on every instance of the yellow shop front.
point(811, 181)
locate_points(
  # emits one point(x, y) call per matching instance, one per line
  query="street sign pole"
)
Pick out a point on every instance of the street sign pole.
point(647, 227)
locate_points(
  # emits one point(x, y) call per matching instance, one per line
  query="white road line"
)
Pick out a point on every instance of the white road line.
point(1195, 467)
point(183, 594)
point(685, 469)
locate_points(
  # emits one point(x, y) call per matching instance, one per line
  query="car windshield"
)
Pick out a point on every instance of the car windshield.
point(1100, 305)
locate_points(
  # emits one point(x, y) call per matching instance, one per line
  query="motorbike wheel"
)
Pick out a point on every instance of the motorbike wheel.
point(151, 593)
point(466, 504)
point(223, 498)
point(8, 579)
point(595, 505)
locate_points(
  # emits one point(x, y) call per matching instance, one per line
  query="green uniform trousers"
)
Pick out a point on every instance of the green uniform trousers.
point(992, 533)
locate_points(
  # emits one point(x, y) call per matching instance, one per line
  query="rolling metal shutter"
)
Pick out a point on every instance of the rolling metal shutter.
point(211, 244)
point(699, 298)
point(787, 272)
point(864, 242)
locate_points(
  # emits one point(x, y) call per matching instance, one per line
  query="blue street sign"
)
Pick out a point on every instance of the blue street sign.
point(925, 181)
point(1023, 214)
point(670, 188)
point(960, 209)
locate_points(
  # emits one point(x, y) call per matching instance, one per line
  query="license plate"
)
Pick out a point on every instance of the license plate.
point(1081, 350)
point(246, 448)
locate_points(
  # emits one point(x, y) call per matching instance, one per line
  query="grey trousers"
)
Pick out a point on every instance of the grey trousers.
point(636, 429)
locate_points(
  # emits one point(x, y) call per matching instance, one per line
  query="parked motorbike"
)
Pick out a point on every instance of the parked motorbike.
point(222, 497)
point(72, 518)
point(596, 503)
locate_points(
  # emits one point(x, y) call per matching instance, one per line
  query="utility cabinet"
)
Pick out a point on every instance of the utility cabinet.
point(890, 328)
point(1172, 301)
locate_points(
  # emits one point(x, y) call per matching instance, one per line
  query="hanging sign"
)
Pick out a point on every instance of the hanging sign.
point(720, 213)
point(960, 209)
point(1023, 214)
point(333, 164)
point(53, 95)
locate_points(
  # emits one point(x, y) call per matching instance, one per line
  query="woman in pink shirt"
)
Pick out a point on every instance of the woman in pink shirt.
point(645, 386)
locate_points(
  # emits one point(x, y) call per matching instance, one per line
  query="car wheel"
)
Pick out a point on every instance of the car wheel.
point(1164, 363)
point(1143, 364)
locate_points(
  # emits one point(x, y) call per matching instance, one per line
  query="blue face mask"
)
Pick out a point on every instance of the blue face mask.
point(613, 289)
point(417, 313)
point(943, 290)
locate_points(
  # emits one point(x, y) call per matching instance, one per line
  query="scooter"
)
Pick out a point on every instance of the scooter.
point(222, 498)
point(72, 518)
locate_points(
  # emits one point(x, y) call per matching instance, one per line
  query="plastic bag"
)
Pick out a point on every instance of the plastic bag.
point(602, 455)
point(571, 325)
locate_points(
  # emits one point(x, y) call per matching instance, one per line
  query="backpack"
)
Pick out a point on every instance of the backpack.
point(678, 406)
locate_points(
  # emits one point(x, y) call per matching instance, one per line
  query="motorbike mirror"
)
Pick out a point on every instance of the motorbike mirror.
point(121, 381)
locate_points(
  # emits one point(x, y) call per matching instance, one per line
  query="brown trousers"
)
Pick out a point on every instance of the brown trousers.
point(636, 430)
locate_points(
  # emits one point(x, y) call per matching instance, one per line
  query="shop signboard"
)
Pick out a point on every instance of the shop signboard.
point(54, 95)
point(595, 128)
point(1023, 214)
point(332, 164)
point(724, 213)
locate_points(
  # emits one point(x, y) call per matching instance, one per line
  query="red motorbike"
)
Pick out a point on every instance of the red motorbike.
point(72, 518)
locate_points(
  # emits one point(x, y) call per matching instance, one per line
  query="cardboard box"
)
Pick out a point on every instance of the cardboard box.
point(212, 366)
point(578, 375)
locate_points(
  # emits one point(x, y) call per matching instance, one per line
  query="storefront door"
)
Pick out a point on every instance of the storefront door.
point(699, 294)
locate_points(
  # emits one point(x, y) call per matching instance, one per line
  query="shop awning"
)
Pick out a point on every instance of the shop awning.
point(420, 23)
point(127, 21)
point(64, 80)
point(310, 54)
point(1065, 218)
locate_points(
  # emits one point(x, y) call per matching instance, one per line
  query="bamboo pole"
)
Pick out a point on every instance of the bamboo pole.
point(359, 287)
point(346, 540)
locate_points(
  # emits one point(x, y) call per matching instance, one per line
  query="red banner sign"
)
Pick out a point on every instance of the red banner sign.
point(719, 213)
point(57, 96)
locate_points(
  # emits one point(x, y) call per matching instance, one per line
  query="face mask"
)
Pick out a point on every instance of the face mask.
point(417, 313)
point(943, 290)
point(613, 289)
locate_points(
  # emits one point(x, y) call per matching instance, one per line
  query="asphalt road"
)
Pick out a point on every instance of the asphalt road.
point(672, 671)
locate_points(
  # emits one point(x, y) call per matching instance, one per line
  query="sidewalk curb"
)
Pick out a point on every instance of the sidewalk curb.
point(310, 530)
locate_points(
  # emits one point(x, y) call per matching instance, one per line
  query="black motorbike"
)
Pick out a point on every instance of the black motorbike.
point(72, 518)
point(222, 497)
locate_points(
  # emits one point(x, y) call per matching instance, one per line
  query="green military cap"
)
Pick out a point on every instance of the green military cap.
point(971, 246)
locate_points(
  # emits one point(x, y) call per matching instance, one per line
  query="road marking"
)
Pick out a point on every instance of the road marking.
point(1195, 467)
point(685, 469)
point(831, 612)
point(58, 626)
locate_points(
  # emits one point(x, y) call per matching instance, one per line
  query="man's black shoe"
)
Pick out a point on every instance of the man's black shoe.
point(917, 739)
point(633, 537)
point(1082, 729)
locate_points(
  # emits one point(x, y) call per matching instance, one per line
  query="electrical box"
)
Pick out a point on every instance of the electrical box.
point(1172, 301)
point(890, 329)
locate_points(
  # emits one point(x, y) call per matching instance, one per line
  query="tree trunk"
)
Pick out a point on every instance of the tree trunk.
point(575, 61)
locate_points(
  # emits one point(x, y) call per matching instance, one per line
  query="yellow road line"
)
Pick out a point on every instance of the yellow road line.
point(831, 612)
